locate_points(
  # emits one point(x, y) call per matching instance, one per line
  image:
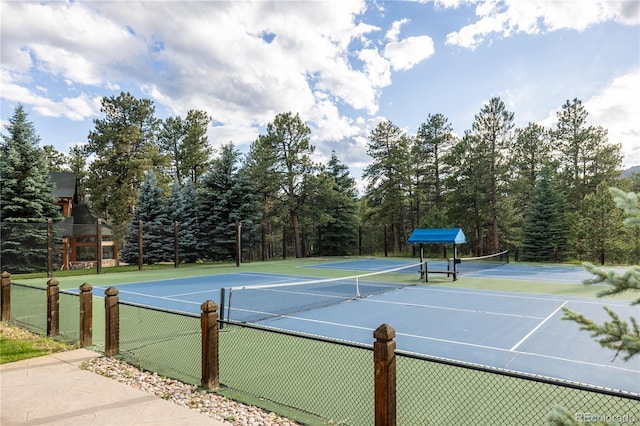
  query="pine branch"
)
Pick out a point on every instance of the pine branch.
point(627, 201)
point(629, 280)
point(616, 334)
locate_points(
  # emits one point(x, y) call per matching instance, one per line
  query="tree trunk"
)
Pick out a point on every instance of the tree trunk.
point(296, 234)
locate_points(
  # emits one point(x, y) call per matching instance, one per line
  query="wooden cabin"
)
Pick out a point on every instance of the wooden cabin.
point(80, 228)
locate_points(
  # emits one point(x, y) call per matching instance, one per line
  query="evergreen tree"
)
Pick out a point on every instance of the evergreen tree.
point(26, 202)
point(258, 166)
point(123, 143)
point(389, 176)
point(544, 231)
point(157, 239)
point(186, 143)
point(586, 156)
point(468, 189)
point(283, 156)
point(182, 208)
point(334, 200)
point(598, 225)
point(530, 152)
point(492, 129)
point(225, 197)
point(56, 160)
point(432, 144)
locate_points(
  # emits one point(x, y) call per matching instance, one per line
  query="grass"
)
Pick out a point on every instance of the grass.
point(17, 344)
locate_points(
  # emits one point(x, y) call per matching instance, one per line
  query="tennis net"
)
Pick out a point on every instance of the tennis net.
point(473, 264)
point(260, 302)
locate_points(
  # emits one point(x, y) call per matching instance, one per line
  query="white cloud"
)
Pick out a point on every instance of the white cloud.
point(218, 62)
point(408, 52)
point(616, 108)
point(394, 32)
point(74, 108)
point(378, 69)
point(535, 16)
point(68, 40)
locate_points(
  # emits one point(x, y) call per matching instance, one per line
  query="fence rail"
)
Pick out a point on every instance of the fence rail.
point(331, 381)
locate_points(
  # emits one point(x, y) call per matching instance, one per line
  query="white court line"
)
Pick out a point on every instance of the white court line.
point(608, 366)
point(159, 297)
point(445, 308)
point(538, 326)
point(529, 296)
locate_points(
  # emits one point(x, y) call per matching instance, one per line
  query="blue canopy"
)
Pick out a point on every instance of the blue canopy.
point(438, 236)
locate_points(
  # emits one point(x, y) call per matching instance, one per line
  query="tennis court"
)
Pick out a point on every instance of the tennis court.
point(514, 330)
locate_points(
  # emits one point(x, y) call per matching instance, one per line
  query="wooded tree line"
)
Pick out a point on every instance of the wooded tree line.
point(540, 192)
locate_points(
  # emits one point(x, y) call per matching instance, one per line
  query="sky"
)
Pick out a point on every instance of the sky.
point(343, 65)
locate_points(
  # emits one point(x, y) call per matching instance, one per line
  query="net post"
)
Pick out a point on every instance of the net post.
point(223, 293)
point(357, 288)
point(53, 307)
point(5, 312)
point(140, 246)
point(229, 305)
point(86, 315)
point(384, 360)
point(210, 345)
point(455, 263)
point(423, 264)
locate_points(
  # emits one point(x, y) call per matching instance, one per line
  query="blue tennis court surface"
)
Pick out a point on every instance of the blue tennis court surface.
point(517, 331)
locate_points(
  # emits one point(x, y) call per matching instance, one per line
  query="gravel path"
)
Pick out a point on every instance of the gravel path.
point(209, 404)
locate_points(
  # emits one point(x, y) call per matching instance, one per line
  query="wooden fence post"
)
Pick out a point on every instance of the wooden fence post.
point(86, 315)
point(384, 360)
point(5, 312)
point(112, 322)
point(53, 307)
point(210, 332)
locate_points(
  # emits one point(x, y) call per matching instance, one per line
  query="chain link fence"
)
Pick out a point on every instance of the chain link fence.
point(29, 307)
point(433, 391)
point(164, 342)
point(331, 381)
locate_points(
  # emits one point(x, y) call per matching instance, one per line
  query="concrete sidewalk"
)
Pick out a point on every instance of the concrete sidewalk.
point(53, 390)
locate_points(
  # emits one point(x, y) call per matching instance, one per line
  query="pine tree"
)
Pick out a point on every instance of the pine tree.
point(26, 202)
point(389, 175)
point(544, 232)
point(492, 129)
point(157, 228)
point(182, 208)
point(336, 203)
point(225, 197)
point(123, 143)
point(282, 155)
